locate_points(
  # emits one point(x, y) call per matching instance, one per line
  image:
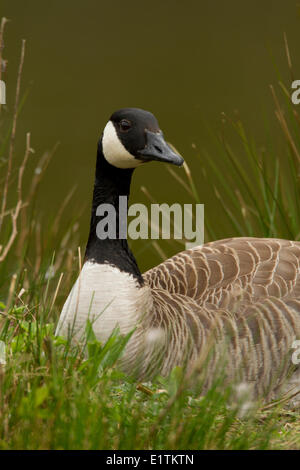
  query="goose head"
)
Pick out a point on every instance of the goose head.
point(132, 136)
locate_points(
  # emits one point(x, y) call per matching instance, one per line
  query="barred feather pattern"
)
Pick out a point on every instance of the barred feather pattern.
point(239, 295)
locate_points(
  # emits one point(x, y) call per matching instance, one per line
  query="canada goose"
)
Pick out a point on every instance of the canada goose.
point(244, 289)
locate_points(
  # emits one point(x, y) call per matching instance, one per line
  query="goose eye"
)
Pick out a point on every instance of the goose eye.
point(125, 125)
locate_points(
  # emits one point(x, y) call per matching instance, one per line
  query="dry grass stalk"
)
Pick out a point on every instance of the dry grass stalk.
point(288, 56)
point(56, 291)
point(2, 26)
point(11, 292)
point(284, 126)
point(180, 180)
point(13, 135)
point(25, 223)
point(16, 211)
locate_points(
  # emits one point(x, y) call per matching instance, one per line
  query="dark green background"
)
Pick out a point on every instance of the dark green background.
point(185, 61)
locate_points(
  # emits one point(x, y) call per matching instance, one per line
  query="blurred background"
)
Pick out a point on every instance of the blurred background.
point(187, 62)
point(217, 75)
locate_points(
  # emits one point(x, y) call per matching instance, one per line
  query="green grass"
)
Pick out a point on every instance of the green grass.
point(57, 396)
point(54, 396)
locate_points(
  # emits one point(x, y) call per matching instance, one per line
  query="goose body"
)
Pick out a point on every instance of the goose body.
point(241, 295)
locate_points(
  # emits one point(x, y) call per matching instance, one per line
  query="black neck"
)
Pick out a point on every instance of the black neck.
point(110, 184)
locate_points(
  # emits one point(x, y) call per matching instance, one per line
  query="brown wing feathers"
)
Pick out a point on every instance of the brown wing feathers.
point(259, 266)
point(245, 289)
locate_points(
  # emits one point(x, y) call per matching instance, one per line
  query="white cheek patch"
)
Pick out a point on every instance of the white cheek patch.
point(114, 151)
